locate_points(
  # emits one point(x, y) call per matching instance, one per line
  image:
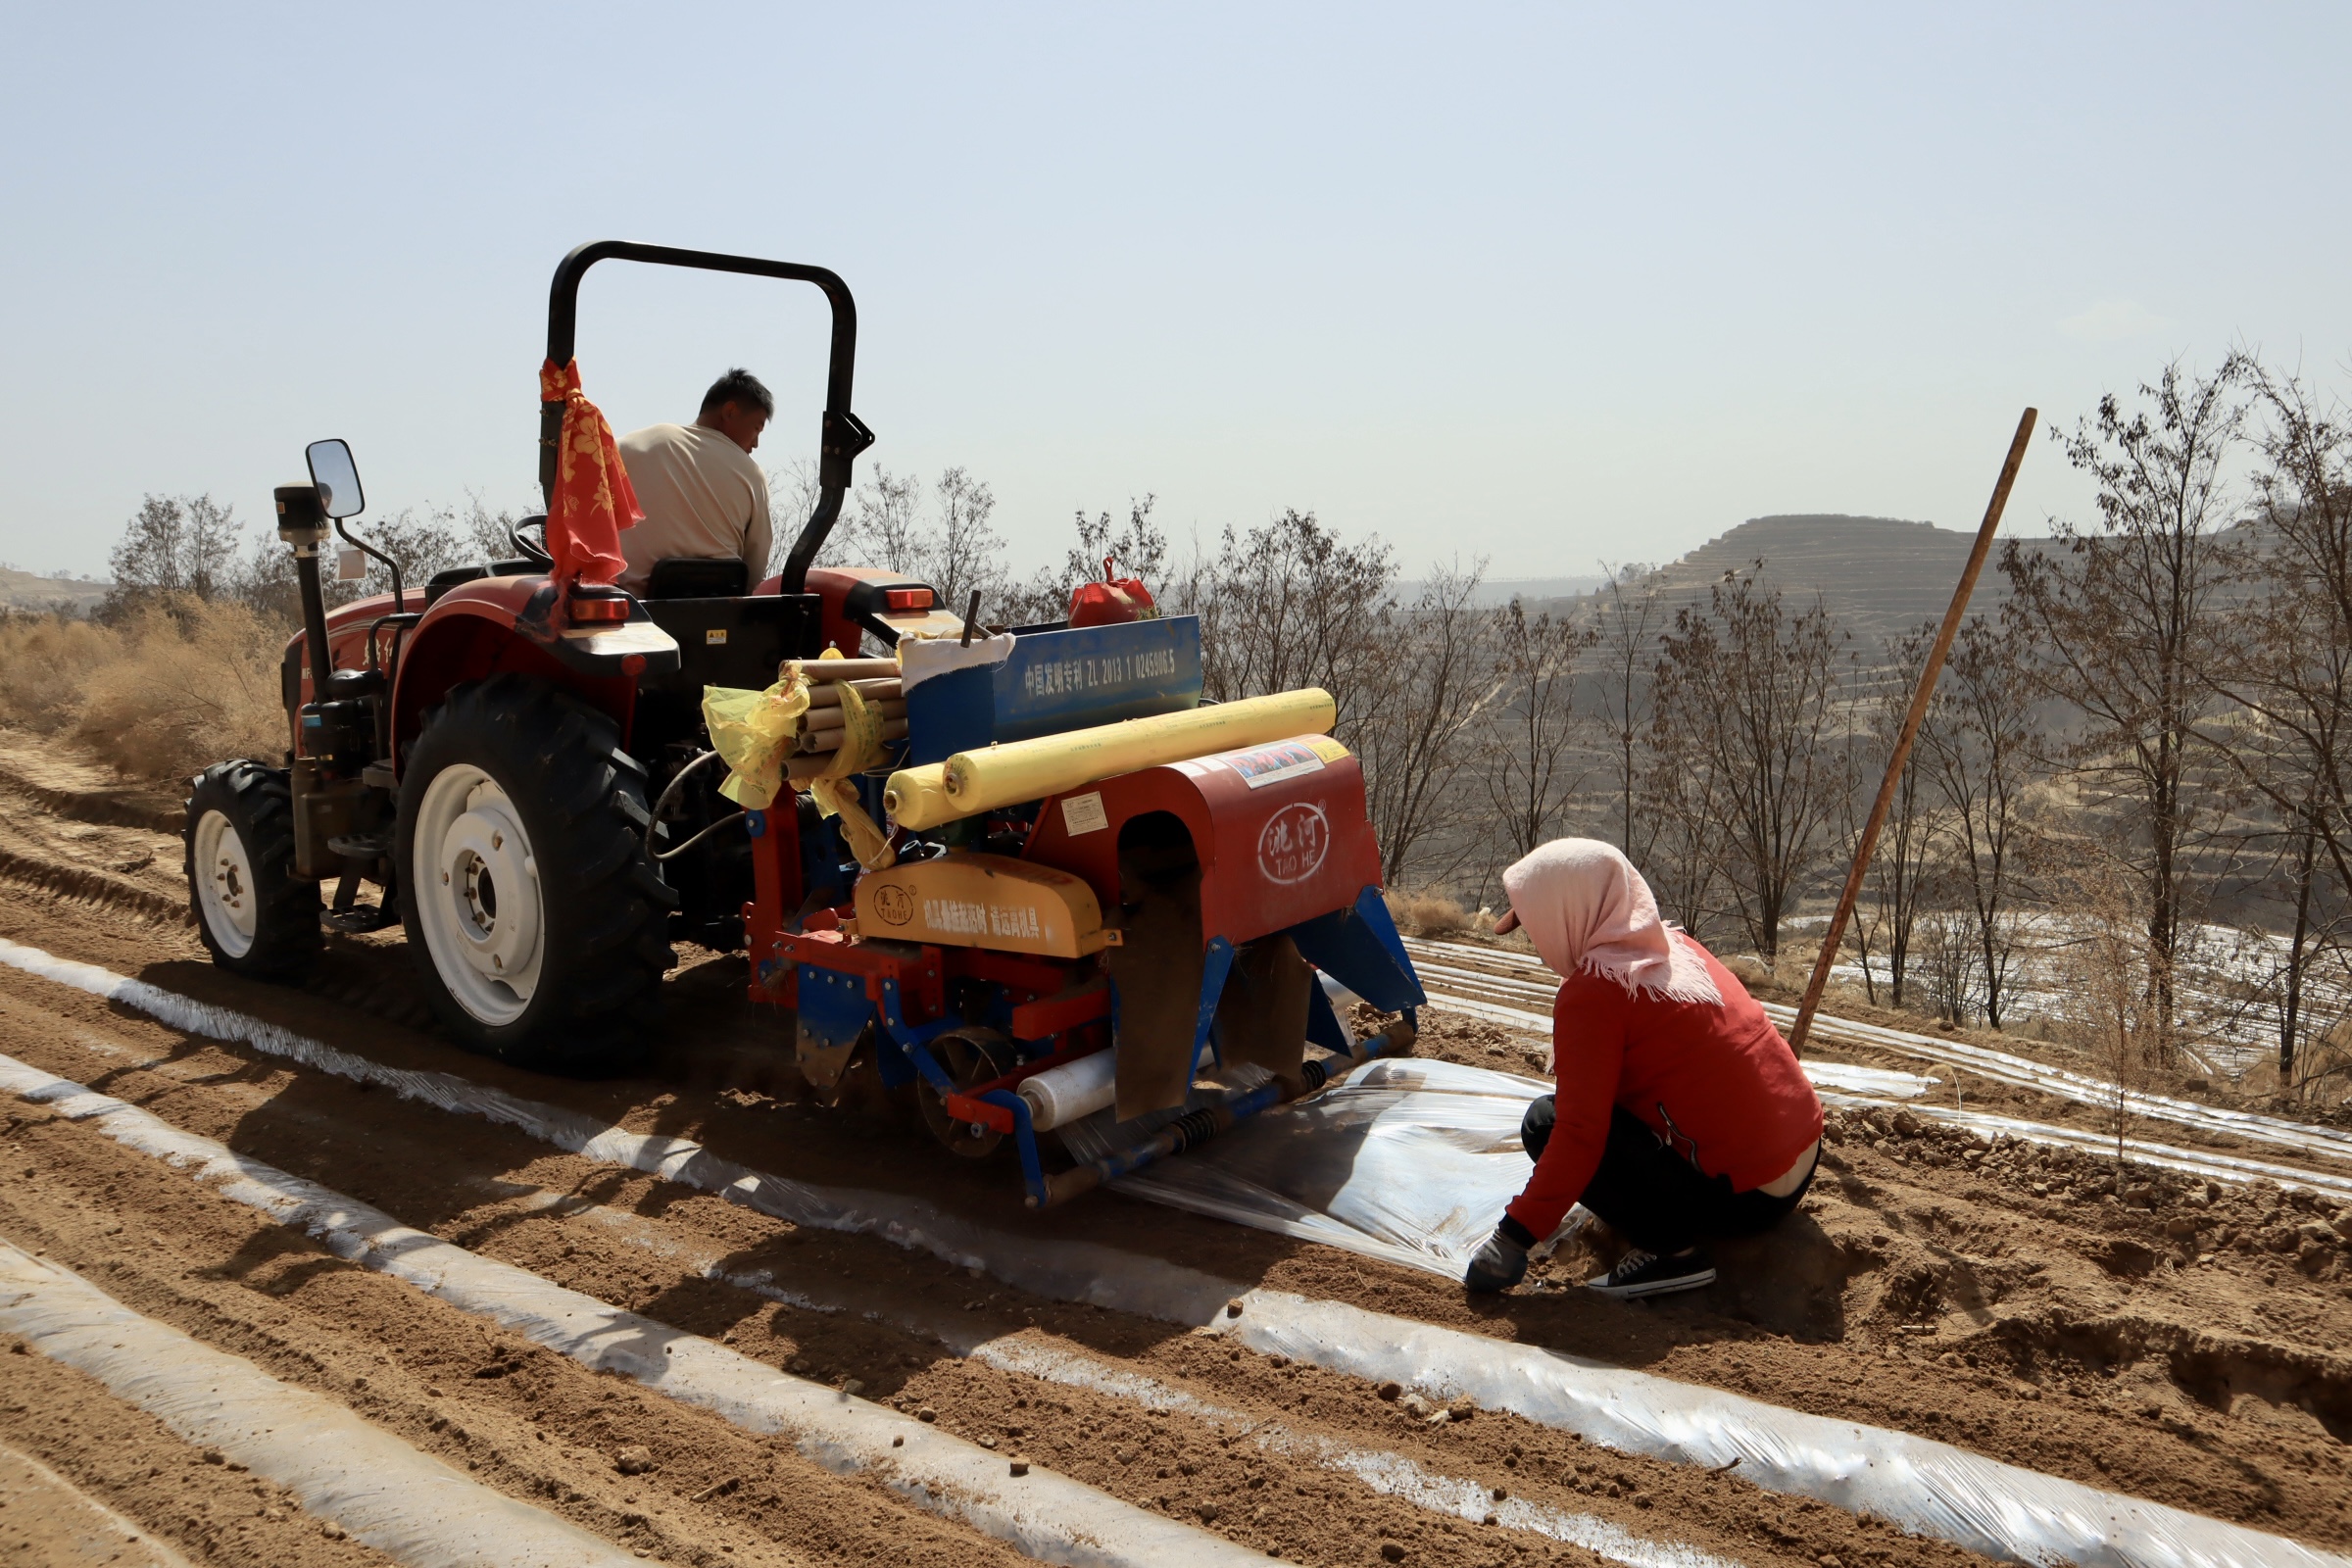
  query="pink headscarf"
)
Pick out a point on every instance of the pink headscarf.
point(1586, 909)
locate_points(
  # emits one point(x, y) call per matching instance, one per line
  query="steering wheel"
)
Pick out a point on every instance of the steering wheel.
point(534, 550)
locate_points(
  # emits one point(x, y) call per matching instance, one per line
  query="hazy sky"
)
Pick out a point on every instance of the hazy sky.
point(1543, 284)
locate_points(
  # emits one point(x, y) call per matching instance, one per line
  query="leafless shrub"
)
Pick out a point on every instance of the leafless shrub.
point(2107, 999)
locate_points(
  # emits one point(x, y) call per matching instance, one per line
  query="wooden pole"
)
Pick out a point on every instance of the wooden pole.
point(1835, 937)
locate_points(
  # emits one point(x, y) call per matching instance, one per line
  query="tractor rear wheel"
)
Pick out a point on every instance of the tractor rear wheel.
point(254, 917)
point(539, 923)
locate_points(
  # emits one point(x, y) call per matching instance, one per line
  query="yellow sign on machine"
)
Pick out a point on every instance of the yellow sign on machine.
point(965, 899)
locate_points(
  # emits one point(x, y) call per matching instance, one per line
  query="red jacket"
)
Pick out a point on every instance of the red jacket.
point(1719, 1083)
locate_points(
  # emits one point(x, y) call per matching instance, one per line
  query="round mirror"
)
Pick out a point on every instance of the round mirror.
point(337, 477)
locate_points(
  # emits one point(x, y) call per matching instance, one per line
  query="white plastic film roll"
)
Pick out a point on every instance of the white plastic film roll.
point(1062, 1095)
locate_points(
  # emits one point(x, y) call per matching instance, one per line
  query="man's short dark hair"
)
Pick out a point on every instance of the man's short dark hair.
point(738, 386)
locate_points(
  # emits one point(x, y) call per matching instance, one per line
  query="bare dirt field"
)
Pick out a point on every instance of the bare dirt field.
point(2177, 1342)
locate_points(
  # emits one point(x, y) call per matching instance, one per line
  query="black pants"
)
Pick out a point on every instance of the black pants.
point(1653, 1197)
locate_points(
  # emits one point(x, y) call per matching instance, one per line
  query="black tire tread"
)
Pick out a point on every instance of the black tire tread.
point(596, 1002)
point(258, 801)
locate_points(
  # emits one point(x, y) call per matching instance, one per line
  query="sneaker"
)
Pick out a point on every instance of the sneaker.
point(1640, 1273)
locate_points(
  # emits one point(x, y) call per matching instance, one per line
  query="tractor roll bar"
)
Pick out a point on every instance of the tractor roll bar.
point(844, 434)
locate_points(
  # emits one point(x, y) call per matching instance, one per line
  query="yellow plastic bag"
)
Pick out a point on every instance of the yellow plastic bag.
point(836, 793)
point(754, 734)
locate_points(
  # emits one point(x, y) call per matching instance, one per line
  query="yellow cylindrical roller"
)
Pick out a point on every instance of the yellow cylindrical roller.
point(917, 797)
point(971, 782)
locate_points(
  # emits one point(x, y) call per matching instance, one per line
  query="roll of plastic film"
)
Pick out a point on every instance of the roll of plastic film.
point(1019, 771)
point(917, 797)
point(1062, 1095)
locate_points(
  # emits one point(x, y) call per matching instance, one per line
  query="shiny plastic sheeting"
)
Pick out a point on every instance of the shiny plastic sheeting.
point(1408, 1160)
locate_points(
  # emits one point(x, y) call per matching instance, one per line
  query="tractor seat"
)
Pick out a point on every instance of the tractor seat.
point(693, 577)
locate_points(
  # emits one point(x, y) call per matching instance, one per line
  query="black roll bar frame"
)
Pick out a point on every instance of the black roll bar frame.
point(844, 435)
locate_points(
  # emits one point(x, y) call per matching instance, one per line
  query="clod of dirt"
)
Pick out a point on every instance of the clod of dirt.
point(1391, 1551)
point(926, 1413)
point(1021, 1464)
point(332, 1531)
point(1232, 1309)
point(635, 1459)
point(1391, 1389)
point(1461, 1408)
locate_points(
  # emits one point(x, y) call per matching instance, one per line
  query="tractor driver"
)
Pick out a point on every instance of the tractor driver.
point(702, 494)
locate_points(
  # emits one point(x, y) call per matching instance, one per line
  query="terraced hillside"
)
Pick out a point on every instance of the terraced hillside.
point(1880, 576)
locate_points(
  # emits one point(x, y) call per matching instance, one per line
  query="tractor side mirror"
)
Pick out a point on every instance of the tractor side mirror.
point(337, 477)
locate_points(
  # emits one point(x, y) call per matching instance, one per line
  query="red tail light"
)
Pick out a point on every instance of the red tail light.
point(906, 598)
point(587, 611)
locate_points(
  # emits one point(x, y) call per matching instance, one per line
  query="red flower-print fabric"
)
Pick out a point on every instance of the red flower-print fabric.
point(593, 500)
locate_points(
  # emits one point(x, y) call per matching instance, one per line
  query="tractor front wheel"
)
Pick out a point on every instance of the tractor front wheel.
point(537, 920)
point(253, 916)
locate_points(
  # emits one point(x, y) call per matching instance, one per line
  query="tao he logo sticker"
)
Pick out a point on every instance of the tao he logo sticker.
point(894, 903)
point(1292, 845)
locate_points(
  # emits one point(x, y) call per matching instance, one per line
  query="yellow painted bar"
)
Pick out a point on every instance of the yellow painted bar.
point(1017, 772)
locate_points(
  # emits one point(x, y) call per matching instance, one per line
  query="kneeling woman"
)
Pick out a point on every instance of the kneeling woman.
point(1680, 1113)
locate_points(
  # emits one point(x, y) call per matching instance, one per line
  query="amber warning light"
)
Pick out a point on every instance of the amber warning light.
point(906, 598)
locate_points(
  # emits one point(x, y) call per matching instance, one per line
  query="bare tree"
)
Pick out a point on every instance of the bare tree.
point(1535, 762)
point(1289, 604)
point(2287, 670)
point(792, 494)
point(1418, 729)
point(1679, 820)
point(2126, 618)
point(950, 544)
point(1629, 620)
point(1977, 750)
point(1137, 548)
point(1899, 874)
point(1753, 689)
point(172, 544)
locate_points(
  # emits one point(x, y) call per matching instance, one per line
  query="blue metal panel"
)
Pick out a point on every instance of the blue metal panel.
point(832, 1004)
point(1216, 968)
point(1056, 681)
point(1323, 1027)
point(1360, 949)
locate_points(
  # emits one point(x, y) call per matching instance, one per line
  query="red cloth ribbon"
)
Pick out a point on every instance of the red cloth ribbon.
point(593, 500)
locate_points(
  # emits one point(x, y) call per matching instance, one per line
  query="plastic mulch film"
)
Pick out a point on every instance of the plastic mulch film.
point(1406, 1160)
point(1922, 1485)
point(1500, 999)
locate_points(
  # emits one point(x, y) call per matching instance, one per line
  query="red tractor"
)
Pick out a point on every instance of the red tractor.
point(520, 775)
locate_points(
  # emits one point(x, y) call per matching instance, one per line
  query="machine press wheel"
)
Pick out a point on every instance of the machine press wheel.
point(970, 1057)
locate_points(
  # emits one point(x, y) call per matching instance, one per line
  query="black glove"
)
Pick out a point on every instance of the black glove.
point(1503, 1262)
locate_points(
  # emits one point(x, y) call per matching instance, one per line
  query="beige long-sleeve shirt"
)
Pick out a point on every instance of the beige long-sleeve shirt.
point(702, 496)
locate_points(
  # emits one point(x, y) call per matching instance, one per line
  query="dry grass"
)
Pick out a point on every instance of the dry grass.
point(1424, 913)
point(44, 661)
point(160, 695)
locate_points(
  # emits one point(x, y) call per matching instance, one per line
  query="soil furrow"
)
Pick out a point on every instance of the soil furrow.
point(2170, 1343)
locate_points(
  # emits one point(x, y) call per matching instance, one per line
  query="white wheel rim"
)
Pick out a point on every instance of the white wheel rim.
point(476, 887)
point(225, 885)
